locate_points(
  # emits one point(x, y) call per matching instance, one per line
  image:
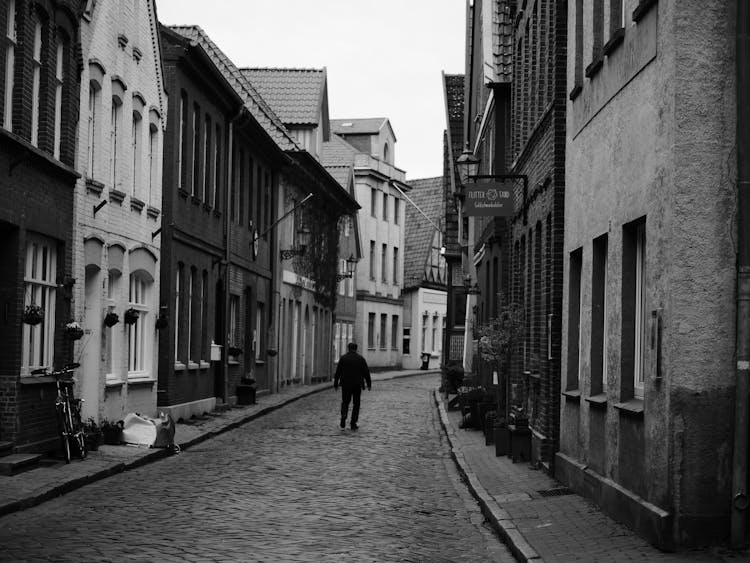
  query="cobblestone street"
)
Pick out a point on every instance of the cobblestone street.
point(290, 486)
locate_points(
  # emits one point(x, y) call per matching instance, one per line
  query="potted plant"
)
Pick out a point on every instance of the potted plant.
point(234, 351)
point(111, 319)
point(162, 320)
point(33, 314)
point(73, 330)
point(131, 316)
point(112, 432)
point(92, 434)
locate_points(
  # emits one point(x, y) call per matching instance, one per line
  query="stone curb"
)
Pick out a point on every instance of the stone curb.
point(156, 454)
point(499, 518)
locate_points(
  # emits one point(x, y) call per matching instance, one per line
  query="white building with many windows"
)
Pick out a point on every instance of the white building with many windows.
point(379, 186)
point(118, 208)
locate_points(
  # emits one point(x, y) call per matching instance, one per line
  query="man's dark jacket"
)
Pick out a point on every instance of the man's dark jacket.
point(352, 372)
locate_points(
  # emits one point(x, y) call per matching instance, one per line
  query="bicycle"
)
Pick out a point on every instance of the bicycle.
point(68, 410)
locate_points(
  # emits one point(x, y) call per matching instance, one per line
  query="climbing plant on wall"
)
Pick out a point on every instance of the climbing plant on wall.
point(320, 261)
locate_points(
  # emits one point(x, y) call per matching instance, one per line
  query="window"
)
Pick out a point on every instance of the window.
point(396, 210)
point(435, 340)
point(190, 315)
point(234, 320)
point(383, 324)
point(203, 320)
point(342, 282)
point(371, 331)
point(136, 142)
point(260, 323)
point(40, 288)
point(115, 125)
point(216, 168)
point(177, 295)
point(385, 152)
point(407, 341)
point(267, 201)
point(383, 263)
point(373, 201)
point(395, 265)
point(10, 64)
point(336, 341)
point(113, 300)
point(153, 160)
point(372, 260)
point(137, 332)
point(182, 152)
point(36, 84)
point(574, 319)
point(425, 320)
point(194, 157)
point(394, 332)
point(59, 51)
point(385, 207)
point(92, 155)
point(206, 185)
point(599, 317)
point(347, 225)
point(633, 309)
point(578, 72)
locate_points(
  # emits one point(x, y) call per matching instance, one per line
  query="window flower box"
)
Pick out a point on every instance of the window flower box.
point(32, 315)
point(131, 316)
point(111, 319)
point(73, 330)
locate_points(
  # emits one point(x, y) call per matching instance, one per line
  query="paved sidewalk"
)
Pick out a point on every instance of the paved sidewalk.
point(29, 488)
point(547, 528)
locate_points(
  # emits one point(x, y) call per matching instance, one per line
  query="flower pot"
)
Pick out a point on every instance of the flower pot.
point(32, 316)
point(502, 440)
point(93, 439)
point(112, 433)
point(131, 316)
point(111, 319)
point(74, 333)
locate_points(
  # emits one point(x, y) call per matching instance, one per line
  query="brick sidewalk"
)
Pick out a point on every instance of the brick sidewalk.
point(547, 528)
point(32, 487)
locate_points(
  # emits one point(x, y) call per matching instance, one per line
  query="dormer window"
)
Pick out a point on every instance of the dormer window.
point(385, 152)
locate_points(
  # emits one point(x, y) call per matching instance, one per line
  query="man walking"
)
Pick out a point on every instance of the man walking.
point(353, 373)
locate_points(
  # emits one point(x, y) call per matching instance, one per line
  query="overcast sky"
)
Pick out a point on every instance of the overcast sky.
point(384, 57)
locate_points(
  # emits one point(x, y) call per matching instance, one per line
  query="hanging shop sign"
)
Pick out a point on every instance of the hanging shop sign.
point(489, 198)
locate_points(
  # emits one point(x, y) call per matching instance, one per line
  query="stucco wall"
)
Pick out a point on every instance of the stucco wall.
point(662, 148)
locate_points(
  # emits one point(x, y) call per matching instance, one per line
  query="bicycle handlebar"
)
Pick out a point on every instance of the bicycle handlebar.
point(67, 369)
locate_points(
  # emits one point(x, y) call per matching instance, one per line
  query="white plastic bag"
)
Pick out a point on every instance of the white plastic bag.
point(139, 430)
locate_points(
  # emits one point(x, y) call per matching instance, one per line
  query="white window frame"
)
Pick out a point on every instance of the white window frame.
point(177, 296)
point(139, 348)
point(36, 83)
point(94, 94)
point(10, 64)
point(153, 160)
point(639, 356)
point(40, 288)
point(115, 125)
point(190, 311)
point(113, 349)
point(59, 56)
point(137, 129)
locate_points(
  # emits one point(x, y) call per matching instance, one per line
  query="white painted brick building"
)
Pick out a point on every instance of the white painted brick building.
point(118, 207)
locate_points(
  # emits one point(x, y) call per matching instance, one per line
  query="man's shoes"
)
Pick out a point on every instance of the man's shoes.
point(343, 423)
point(354, 426)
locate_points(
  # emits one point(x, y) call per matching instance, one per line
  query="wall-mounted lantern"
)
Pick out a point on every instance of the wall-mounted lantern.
point(351, 265)
point(304, 235)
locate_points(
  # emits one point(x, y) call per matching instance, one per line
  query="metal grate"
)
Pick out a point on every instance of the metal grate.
point(556, 492)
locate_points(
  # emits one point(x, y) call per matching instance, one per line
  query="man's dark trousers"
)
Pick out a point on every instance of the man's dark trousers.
point(354, 395)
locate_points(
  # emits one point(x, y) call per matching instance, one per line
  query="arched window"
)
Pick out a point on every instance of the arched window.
point(141, 332)
point(137, 144)
point(385, 152)
point(96, 79)
point(115, 131)
point(153, 157)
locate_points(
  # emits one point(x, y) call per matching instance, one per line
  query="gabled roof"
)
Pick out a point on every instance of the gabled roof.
point(419, 233)
point(254, 102)
point(337, 152)
point(364, 126)
point(342, 174)
point(295, 94)
point(502, 40)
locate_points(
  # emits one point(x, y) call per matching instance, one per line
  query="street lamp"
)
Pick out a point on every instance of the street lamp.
point(469, 288)
point(351, 265)
point(467, 165)
point(303, 241)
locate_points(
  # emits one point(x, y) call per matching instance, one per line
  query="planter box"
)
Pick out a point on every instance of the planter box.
point(245, 395)
point(502, 441)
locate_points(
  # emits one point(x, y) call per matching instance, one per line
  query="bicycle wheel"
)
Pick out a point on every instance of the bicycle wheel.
point(62, 418)
point(80, 443)
point(79, 438)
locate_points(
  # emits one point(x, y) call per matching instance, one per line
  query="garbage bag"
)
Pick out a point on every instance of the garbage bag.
point(165, 429)
point(138, 429)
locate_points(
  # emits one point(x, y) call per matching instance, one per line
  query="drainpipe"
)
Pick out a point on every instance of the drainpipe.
point(228, 251)
point(742, 406)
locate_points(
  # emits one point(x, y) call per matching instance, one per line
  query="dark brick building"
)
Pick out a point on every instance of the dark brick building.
point(39, 96)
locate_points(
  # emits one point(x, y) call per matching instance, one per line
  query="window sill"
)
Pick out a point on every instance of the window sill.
point(141, 381)
point(633, 408)
point(207, 207)
point(182, 193)
point(136, 204)
point(618, 36)
point(594, 67)
point(94, 187)
point(575, 92)
point(152, 212)
point(532, 374)
point(114, 383)
point(36, 380)
point(259, 362)
point(574, 395)
point(204, 365)
point(195, 200)
point(642, 9)
point(233, 362)
point(179, 366)
point(597, 401)
point(217, 213)
point(116, 196)
point(193, 365)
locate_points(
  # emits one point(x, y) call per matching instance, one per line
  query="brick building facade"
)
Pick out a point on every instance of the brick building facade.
point(39, 93)
point(122, 116)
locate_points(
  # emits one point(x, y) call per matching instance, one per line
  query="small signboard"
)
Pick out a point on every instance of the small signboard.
point(489, 198)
